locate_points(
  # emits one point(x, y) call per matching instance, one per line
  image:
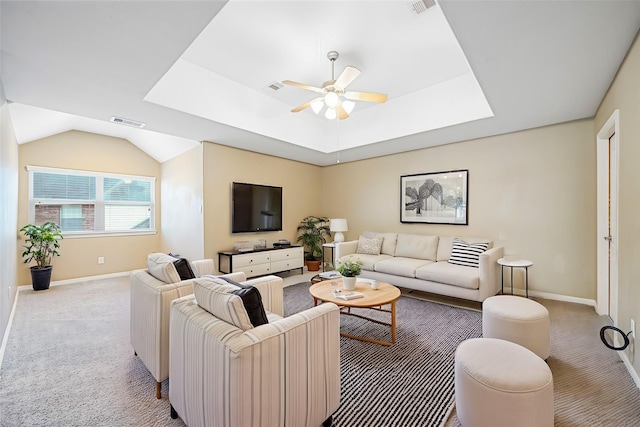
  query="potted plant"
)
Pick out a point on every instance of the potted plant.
point(350, 268)
point(313, 233)
point(42, 243)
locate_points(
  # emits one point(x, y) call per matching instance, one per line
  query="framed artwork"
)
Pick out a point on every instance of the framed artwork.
point(435, 198)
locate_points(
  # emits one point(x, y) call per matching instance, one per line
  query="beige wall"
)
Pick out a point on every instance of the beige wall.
point(8, 212)
point(182, 228)
point(624, 95)
point(87, 151)
point(531, 192)
point(301, 194)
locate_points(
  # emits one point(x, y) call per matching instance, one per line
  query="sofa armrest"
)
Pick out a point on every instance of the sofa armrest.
point(204, 266)
point(345, 248)
point(271, 290)
point(150, 303)
point(489, 284)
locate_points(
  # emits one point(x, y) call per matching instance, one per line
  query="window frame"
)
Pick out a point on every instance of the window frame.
point(99, 203)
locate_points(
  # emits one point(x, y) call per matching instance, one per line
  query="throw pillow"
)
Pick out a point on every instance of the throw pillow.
point(252, 301)
point(183, 267)
point(369, 246)
point(161, 267)
point(467, 254)
point(217, 297)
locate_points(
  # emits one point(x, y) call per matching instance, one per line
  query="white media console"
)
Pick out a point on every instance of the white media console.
point(261, 262)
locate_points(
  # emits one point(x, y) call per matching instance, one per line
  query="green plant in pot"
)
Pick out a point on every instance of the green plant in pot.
point(350, 268)
point(313, 233)
point(42, 244)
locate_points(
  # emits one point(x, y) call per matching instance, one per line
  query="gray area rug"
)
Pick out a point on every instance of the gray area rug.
point(408, 384)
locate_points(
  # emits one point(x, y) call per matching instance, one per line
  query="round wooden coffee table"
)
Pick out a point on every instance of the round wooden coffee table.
point(386, 294)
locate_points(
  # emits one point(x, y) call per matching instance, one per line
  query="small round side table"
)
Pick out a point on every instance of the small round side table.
point(521, 263)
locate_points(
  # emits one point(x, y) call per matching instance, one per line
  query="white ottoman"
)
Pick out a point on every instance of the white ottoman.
point(502, 384)
point(519, 320)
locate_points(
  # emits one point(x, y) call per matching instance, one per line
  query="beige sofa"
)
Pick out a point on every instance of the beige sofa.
point(153, 290)
point(426, 263)
point(227, 371)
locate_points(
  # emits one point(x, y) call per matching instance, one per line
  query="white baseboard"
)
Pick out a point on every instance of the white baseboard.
point(79, 279)
point(565, 298)
point(556, 297)
point(629, 366)
point(5, 338)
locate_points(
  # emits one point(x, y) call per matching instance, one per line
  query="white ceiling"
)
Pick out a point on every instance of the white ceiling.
point(200, 70)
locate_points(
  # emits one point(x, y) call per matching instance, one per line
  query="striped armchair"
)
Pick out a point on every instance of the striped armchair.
point(152, 292)
point(226, 373)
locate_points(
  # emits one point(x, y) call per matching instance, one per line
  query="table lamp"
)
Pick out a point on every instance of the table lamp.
point(338, 225)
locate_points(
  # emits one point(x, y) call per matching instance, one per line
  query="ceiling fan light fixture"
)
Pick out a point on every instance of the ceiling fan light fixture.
point(330, 113)
point(317, 105)
point(348, 106)
point(331, 99)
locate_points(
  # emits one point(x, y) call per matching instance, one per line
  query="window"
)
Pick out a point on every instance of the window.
point(86, 203)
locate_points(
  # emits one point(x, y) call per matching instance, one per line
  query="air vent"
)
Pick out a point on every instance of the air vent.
point(127, 122)
point(421, 6)
point(275, 86)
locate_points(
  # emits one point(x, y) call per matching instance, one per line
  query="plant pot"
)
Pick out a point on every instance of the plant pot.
point(349, 283)
point(41, 277)
point(313, 265)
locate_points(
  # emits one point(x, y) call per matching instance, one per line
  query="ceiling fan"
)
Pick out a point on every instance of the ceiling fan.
point(339, 102)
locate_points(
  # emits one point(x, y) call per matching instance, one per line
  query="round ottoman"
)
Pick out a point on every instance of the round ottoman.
point(519, 320)
point(499, 383)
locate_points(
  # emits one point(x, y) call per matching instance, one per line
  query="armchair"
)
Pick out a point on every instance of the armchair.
point(225, 373)
point(153, 290)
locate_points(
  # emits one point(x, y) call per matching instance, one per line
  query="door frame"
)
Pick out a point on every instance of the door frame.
point(608, 161)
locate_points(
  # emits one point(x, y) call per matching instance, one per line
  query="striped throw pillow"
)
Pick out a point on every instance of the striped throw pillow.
point(466, 254)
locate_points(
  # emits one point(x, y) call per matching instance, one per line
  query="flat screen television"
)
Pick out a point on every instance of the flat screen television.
point(255, 208)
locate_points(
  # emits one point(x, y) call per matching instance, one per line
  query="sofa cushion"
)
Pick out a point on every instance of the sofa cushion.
point(400, 266)
point(369, 246)
point(217, 297)
point(446, 243)
point(389, 241)
point(455, 275)
point(369, 261)
point(161, 267)
point(467, 254)
point(252, 300)
point(417, 246)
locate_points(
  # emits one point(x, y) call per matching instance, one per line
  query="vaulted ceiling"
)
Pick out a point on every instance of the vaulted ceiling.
point(206, 70)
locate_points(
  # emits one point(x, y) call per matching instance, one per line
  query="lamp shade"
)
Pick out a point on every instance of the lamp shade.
point(338, 225)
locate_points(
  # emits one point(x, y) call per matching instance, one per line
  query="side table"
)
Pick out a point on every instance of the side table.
point(332, 247)
point(521, 263)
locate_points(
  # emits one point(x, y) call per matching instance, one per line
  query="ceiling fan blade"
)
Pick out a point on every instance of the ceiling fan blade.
point(366, 96)
point(302, 86)
point(348, 75)
point(305, 105)
point(342, 113)
point(301, 107)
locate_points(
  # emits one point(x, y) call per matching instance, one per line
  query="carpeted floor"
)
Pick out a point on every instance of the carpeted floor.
point(68, 362)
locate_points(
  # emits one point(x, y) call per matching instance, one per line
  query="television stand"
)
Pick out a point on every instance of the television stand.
point(260, 262)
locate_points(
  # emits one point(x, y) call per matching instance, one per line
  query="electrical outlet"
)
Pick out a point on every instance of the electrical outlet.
point(633, 329)
point(100, 260)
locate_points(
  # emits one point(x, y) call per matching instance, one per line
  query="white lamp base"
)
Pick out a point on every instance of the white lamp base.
point(339, 237)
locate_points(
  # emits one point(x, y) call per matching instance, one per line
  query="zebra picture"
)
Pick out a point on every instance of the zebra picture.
point(439, 198)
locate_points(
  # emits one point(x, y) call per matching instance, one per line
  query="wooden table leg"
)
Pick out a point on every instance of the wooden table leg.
point(393, 322)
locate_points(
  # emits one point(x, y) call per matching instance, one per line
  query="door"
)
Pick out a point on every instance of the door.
point(607, 233)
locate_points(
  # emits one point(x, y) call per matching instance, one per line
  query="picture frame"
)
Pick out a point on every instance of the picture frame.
point(435, 198)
